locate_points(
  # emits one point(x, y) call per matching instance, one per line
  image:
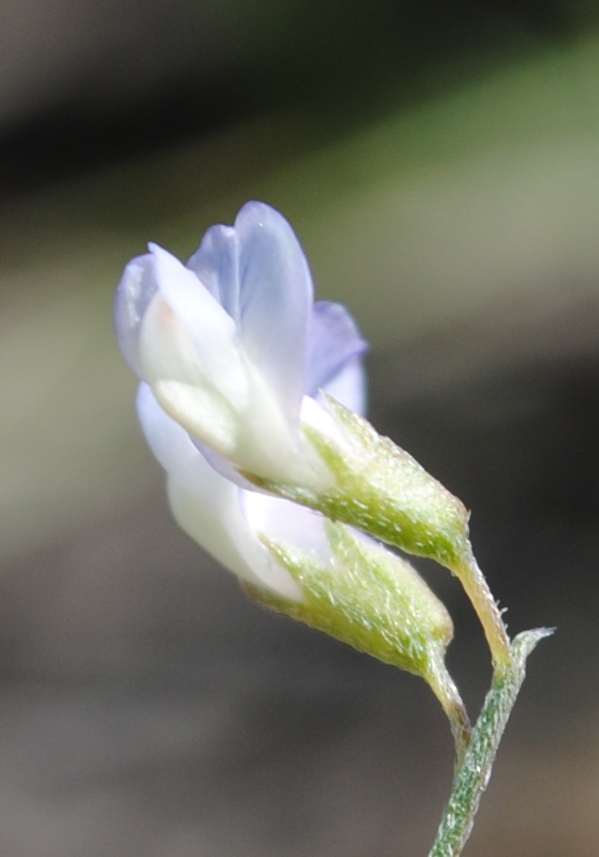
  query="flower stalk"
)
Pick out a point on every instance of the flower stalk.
point(467, 570)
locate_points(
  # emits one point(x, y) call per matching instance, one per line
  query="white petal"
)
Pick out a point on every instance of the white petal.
point(211, 330)
point(206, 505)
point(216, 521)
point(169, 442)
point(288, 523)
point(318, 417)
point(185, 384)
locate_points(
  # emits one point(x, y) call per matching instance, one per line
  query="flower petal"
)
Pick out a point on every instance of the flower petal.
point(190, 389)
point(169, 442)
point(349, 386)
point(211, 328)
point(288, 523)
point(207, 506)
point(218, 525)
point(136, 289)
point(334, 342)
point(275, 297)
point(188, 353)
point(215, 264)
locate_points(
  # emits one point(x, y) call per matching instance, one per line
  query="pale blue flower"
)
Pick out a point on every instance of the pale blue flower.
point(233, 356)
point(235, 362)
point(234, 349)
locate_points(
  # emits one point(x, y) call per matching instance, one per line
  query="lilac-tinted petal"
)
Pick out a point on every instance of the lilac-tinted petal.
point(349, 386)
point(215, 264)
point(135, 291)
point(333, 343)
point(274, 302)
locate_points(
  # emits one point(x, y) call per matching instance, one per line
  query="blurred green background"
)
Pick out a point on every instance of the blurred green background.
point(440, 164)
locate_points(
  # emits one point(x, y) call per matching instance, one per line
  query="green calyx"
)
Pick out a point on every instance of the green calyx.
point(380, 489)
point(367, 597)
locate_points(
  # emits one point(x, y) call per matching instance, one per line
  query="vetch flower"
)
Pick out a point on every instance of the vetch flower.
point(251, 399)
point(234, 349)
point(237, 354)
point(237, 367)
point(297, 562)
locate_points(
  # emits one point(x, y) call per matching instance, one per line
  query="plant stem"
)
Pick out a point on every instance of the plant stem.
point(472, 775)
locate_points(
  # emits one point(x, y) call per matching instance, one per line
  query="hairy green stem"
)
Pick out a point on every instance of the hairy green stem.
point(473, 773)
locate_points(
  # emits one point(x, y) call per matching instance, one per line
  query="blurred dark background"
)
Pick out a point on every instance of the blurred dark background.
point(440, 162)
point(88, 83)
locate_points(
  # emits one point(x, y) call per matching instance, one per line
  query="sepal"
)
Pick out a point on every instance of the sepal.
point(380, 489)
point(376, 602)
point(367, 597)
